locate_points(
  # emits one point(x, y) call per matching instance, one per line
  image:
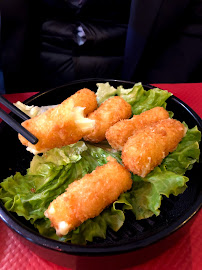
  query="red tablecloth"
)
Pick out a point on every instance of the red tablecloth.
point(185, 254)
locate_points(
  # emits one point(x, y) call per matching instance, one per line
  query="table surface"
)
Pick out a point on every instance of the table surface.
point(184, 254)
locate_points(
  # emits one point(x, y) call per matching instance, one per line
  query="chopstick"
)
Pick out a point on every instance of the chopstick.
point(13, 108)
point(13, 123)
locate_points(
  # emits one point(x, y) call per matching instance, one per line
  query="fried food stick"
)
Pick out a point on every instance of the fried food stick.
point(62, 125)
point(110, 112)
point(149, 146)
point(86, 198)
point(84, 98)
point(118, 134)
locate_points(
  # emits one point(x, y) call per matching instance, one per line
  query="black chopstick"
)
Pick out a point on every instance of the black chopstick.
point(17, 127)
point(13, 108)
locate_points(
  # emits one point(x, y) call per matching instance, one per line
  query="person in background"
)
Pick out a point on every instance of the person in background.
point(2, 90)
point(49, 43)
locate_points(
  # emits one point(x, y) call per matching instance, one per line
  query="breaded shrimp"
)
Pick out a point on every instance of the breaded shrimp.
point(149, 146)
point(62, 125)
point(110, 112)
point(88, 197)
point(118, 134)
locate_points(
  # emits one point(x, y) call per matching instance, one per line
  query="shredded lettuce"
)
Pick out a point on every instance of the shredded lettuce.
point(50, 174)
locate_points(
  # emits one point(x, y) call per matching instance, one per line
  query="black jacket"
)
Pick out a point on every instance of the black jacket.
point(49, 43)
point(164, 41)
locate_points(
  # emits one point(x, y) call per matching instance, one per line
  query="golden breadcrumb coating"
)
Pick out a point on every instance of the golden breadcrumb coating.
point(110, 112)
point(118, 134)
point(62, 125)
point(146, 149)
point(88, 197)
point(85, 98)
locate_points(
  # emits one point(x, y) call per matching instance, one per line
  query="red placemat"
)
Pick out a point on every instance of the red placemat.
point(190, 93)
point(184, 253)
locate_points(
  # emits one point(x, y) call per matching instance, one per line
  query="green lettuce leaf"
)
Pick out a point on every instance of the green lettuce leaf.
point(186, 154)
point(131, 95)
point(146, 195)
point(32, 110)
point(140, 99)
point(104, 91)
point(58, 156)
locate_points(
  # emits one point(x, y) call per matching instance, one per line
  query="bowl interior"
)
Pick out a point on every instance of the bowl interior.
point(175, 211)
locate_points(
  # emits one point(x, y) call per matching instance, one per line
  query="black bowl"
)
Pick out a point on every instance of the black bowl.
point(134, 235)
